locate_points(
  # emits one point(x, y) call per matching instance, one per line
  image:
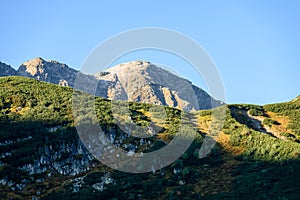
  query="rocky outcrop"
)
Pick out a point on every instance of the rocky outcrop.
point(109, 86)
point(48, 71)
point(6, 70)
point(145, 82)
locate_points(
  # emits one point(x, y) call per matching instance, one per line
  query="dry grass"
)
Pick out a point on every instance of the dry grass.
point(283, 120)
point(224, 141)
point(204, 123)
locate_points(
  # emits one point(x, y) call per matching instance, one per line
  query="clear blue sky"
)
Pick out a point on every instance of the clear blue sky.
point(254, 44)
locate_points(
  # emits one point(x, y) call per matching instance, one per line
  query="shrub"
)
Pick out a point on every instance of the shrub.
point(235, 139)
point(270, 122)
point(285, 134)
point(256, 112)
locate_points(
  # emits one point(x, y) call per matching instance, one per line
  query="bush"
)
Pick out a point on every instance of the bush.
point(256, 112)
point(270, 122)
point(235, 139)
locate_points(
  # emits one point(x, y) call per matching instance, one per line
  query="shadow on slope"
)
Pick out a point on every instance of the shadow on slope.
point(220, 175)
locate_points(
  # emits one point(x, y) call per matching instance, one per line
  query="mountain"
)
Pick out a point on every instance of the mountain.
point(48, 71)
point(42, 157)
point(138, 81)
point(147, 83)
point(6, 70)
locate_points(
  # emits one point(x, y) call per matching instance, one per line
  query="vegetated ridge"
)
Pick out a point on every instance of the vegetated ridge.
point(42, 156)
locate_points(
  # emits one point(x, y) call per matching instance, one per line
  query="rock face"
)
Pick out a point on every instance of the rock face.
point(48, 71)
point(109, 86)
point(76, 160)
point(138, 81)
point(144, 82)
point(6, 70)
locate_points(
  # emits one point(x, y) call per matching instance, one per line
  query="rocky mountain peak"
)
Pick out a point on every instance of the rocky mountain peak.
point(6, 70)
point(133, 66)
point(49, 71)
point(33, 66)
point(35, 60)
point(145, 82)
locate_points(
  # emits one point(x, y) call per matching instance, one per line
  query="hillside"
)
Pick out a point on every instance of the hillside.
point(42, 157)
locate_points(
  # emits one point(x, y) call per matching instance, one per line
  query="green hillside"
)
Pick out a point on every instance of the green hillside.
point(256, 155)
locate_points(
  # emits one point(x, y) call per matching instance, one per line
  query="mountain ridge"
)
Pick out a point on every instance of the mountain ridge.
point(6, 70)
point(48, 71)
point(145, 82)
point(138, 81)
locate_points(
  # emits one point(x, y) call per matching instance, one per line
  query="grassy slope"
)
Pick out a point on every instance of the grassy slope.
point(245, 163)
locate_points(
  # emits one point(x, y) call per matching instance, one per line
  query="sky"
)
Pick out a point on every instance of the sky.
point(255, 45)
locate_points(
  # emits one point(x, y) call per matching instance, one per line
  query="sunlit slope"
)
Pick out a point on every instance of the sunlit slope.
point(256, 155)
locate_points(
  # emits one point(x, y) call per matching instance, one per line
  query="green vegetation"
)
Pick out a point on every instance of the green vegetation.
point(257, 145)
point(244, 164)
point(289, 109)
point(256, 112)
point(270, 122)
